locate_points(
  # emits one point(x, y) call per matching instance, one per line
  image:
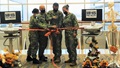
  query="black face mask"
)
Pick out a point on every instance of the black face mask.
point(65, 13)
point(42, 11)
point(55, 10)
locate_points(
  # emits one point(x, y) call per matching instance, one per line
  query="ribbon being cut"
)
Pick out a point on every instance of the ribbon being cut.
point(56, 30)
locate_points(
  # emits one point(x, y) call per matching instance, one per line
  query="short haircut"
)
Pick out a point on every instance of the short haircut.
point(35, 10)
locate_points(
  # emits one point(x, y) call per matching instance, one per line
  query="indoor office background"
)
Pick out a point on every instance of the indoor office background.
point(75, 6)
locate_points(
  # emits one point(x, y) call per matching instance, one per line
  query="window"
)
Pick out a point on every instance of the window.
point(50, 7)
point(77, 11)
point(24, 13)
point(116, 0)
point(15, 7)
point(94, 6)
point(108, 0)
point(19, 1)
point(112, 0)
point(13, 2)
point(3, 7)
point(36, 1)
point(116, 5)
point(3, 1)
point(94, 0)
point(26, 6)
point(74, 1)
point(53, 1)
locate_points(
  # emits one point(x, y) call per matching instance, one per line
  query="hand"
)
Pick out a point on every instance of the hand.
point(54, 26)
point(47, 34)
point(57, 31)
point(47, 29)
point(74, 34)
point(54, 17)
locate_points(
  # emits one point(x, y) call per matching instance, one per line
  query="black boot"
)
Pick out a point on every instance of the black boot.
point(35, 61)
point(57, 60)
point(73, 63)
point(43, 58)
point(28, 59)
point(68, 61)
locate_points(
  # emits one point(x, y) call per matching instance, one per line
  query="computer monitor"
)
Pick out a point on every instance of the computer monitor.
point(91, 14)
point(10, 17)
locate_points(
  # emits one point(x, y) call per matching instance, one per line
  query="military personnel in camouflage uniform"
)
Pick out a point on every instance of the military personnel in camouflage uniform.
point(43, 40)
point(70, 35)
point(55, 17)
point(33, 38)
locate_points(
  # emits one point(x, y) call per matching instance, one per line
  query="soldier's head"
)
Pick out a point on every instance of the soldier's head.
point(55, 7)
point(65, 9)
point(35, 11)
point(42, 8)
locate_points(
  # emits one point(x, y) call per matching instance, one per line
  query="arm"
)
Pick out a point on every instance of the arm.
point(32, 22)
point(49, 17)
point(74, 23)
point(60, 20)
point(42, 23)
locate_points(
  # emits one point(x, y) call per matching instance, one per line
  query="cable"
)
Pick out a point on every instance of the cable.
point(17, 45)
point(5, 42)
point(87, 39)
point(101, 32)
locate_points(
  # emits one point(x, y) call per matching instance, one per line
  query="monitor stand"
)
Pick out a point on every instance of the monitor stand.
point(92, 23)
point(10, 25)
point(10, 35)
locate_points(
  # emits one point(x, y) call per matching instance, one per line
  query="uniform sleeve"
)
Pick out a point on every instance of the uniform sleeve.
point(32, 21)
point(75, 23)
point(42, 24)
point(49, 17)
point(30, 24)
point(61, 20)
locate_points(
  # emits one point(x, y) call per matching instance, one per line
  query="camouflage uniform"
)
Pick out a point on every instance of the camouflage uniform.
point(33, 37)
point(56, 38)
point(70, 21)
point(43, 40)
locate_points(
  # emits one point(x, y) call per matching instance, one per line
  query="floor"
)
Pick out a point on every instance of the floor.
point(81, 54)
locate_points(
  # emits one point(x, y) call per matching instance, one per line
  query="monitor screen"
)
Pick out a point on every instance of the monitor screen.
point(91, 14)
point(10, 17)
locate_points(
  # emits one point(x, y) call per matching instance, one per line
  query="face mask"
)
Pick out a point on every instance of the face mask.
point(55, 10)
point(65, 13)
point(42, 11)
point(35, 16)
